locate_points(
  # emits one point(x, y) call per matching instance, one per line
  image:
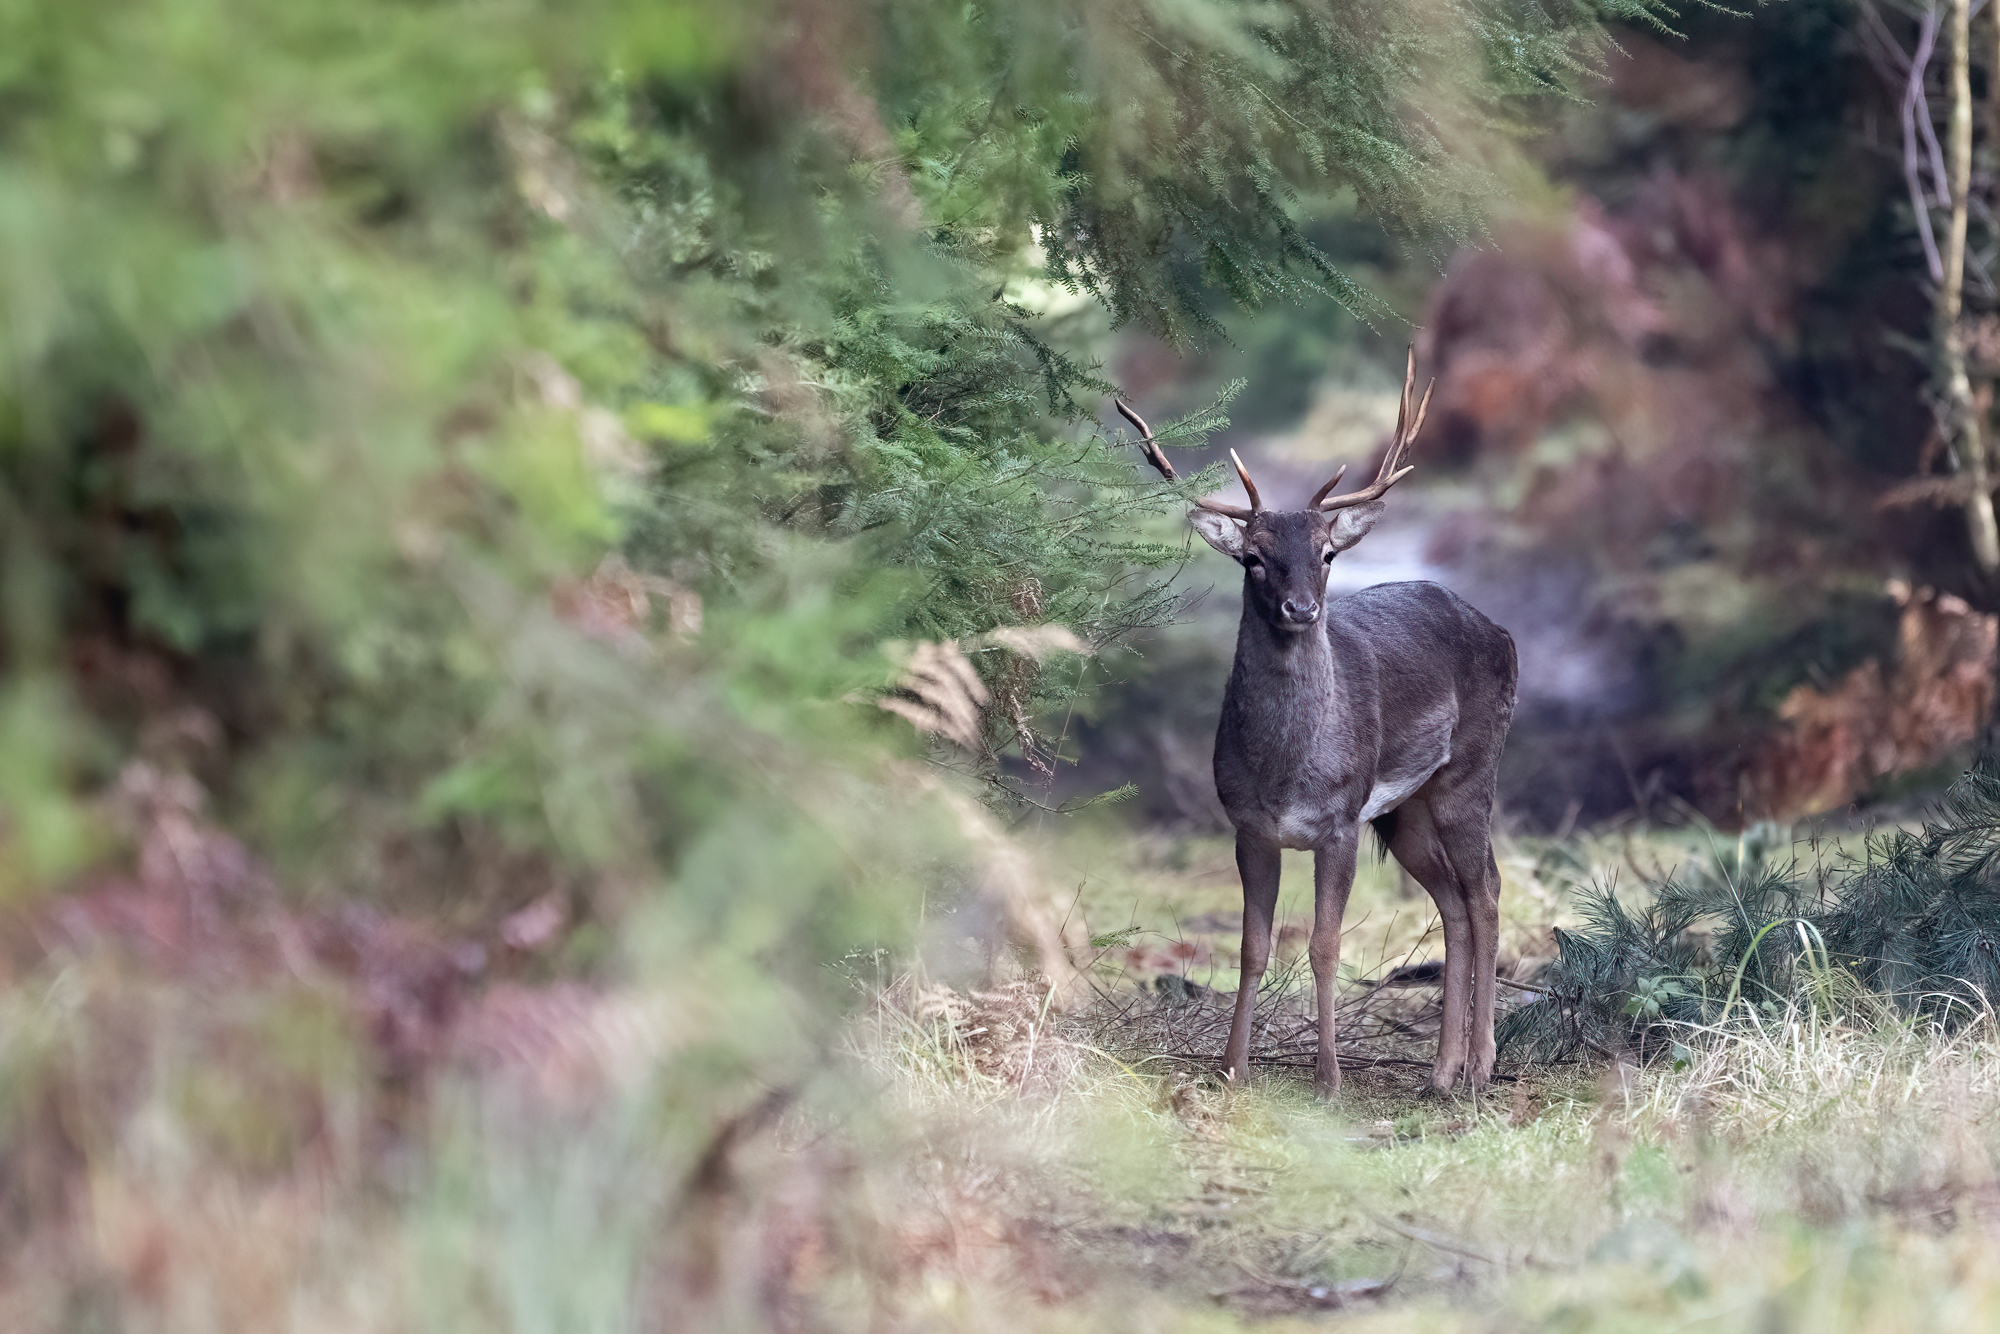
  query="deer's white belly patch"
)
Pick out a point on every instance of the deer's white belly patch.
point(1307, 826)
point(1390, 794)
point(1391, 788)
point(1304, 813)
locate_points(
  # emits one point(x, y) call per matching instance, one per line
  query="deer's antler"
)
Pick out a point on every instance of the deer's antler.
point(1159, 460)
point(1327, 490)
point(1393, 468)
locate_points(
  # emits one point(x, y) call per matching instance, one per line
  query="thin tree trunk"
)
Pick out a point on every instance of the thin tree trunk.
point(1962, 417)
point(1988, 745)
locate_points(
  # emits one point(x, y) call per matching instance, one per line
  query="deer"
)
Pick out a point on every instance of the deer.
point(1388, 707)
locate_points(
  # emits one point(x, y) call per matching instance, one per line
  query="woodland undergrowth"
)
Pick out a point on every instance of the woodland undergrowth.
point(1908, 925)
point(228, 1146)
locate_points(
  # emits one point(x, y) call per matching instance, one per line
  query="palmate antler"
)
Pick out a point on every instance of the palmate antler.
point(1159, 460)
point(1393, 468)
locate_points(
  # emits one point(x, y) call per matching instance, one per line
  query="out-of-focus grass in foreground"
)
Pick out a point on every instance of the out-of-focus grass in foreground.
point(228, 1151)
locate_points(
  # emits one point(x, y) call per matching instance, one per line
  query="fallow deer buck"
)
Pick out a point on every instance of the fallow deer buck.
point(1389, 706)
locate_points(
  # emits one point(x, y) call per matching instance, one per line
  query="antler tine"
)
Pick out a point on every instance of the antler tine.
point(1152, 451)
point(1393, 469)
point(1327, 490)
point(1214, 506)
point(1423, 410)
point(1158, 459)
point(1409, 382)
point(1221, 507)
point(1249, 487)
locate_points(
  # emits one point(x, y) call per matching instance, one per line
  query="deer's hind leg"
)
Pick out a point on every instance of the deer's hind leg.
point(1414, 839)
point(1468, 843)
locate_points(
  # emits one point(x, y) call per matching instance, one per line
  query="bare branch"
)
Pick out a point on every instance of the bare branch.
point(1913, 97)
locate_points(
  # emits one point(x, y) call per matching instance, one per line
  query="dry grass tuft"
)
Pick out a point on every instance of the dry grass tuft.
point(1001, 1037)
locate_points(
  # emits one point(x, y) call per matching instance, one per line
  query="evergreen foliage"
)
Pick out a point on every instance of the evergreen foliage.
point(384, 389)
point(326, 331)
point(1915, 923)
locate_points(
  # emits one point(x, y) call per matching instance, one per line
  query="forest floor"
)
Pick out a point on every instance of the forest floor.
point(314, 1122)
point(1810, 1175)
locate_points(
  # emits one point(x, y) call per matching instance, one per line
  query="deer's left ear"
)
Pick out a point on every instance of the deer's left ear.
point(1219, 531)
point(1351, 525)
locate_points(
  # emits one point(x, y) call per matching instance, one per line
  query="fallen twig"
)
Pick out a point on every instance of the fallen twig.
point(1437, 1243)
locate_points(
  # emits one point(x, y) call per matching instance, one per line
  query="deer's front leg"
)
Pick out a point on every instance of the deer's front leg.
point(1257, 863)
point(1333, 877)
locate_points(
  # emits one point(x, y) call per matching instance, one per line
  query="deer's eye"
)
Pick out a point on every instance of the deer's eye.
point(1254, 565)
point(1328, 557)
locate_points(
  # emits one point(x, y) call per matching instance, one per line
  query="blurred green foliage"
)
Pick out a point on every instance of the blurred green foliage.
point(466, 435)
point(335, 340)
point(462, 433)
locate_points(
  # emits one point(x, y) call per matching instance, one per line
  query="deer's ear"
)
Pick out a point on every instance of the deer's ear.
point(1219, 531)
point(1351, 525)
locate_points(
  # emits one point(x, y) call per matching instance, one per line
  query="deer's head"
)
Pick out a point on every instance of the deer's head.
point(1285, 554)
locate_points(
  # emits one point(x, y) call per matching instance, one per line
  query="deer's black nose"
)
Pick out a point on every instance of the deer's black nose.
point(1299, 613)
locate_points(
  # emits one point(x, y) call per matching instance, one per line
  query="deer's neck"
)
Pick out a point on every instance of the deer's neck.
point(1286, 763)
point(1291, 680)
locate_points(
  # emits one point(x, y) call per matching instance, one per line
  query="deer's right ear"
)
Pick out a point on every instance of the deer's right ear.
point(1219, 531)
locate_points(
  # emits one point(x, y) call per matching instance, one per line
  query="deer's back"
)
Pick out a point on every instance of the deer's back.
point(1424, 639)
